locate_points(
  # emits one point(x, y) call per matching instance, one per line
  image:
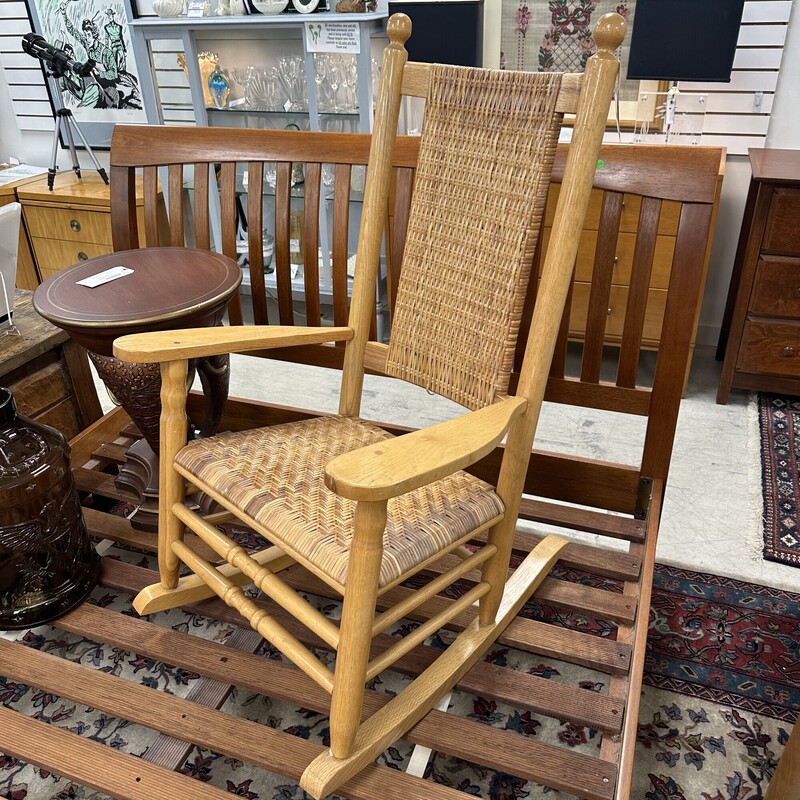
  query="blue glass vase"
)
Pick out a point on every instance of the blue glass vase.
point(220, 87)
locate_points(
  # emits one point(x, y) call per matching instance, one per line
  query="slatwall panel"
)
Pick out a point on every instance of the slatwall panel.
point(23, 73)
point(171, 82)
point(734, 118)
point(737, 113)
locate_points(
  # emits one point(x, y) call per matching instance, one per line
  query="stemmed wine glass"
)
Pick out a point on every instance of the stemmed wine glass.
point(320, 79)
point(245, 76)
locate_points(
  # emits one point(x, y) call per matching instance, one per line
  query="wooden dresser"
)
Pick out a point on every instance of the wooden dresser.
point(71, 223)
point(27, 278)
point(621, 249)
point(760, 337)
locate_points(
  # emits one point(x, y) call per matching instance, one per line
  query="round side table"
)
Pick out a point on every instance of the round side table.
point(168, 288)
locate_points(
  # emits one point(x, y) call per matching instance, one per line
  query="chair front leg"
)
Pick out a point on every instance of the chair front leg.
point(172, 437)
point(358, 613)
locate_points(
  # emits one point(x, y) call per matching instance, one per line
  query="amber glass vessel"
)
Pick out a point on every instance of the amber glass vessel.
point(47, 562)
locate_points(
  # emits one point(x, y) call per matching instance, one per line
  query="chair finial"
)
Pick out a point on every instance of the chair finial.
point(398, 29)
point(609, 32)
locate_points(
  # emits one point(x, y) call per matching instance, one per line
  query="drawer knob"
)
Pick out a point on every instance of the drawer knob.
point(788, 352)
point(82, 256)
point(616, 259)
point(797, 292)
point(610, 311)
point(75, 225)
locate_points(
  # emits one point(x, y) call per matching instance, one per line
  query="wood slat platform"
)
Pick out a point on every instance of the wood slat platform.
point(197, 719)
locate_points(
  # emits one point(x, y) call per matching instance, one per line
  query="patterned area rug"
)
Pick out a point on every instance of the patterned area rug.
point(780, 453)
point(721, 692)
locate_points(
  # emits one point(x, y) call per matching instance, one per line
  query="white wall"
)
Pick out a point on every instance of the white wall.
point(784, 131)
point(34, 147)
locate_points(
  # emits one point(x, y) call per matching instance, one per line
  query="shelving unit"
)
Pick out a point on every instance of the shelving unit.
point(260, 41)
point(266, 37)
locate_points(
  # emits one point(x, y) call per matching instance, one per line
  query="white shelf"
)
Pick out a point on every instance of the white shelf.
point(253, 20)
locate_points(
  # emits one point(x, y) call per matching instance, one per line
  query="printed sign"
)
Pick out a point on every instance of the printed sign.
point(332, 37)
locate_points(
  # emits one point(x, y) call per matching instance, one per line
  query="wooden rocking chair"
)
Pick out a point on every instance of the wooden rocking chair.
point(359, 509)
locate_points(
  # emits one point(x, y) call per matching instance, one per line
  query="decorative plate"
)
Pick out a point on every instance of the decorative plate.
point(305, 6)
point(270, 6)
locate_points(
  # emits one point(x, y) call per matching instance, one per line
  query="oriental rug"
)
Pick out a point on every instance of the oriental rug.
point(780, 452)
point(722, 690)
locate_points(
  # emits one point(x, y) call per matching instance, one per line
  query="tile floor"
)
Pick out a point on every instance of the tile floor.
point(712, 513)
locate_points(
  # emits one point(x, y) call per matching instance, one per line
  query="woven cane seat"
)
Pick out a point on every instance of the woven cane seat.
point(275, 476)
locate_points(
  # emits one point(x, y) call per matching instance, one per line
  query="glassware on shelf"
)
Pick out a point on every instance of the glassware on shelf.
point(262, 89)
point(268, 244)
point(298, 173)
point(207, 63)
point(296, 237)
point(245, 76)
point(268, 249)
point(219, 87)
point(336, 78)
point(376, 76)
point(290, 77)
point(672, 117)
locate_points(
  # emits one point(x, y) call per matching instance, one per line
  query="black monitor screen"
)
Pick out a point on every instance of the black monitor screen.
point(684, 39)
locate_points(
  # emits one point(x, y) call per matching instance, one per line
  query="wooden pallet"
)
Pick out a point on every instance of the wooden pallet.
point(197, 720)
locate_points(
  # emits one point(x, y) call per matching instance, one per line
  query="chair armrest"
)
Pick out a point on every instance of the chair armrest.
point(196, 342)
point(396, 466)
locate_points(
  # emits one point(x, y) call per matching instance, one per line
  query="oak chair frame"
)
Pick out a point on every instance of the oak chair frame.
point(373, 475)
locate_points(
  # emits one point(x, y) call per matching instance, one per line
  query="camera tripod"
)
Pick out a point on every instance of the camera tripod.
point(66, 124)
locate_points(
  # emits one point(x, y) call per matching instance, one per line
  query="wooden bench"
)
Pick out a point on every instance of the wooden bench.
point(685, 179)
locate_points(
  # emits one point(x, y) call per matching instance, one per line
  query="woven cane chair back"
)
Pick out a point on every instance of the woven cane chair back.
point(468, 253)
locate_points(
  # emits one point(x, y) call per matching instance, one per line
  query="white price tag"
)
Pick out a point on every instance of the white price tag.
point(294, 245)
point(332, 37)
point(106, 276)
point(196, 8)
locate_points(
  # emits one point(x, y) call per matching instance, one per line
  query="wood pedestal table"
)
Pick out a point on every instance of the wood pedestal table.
point(161, 288)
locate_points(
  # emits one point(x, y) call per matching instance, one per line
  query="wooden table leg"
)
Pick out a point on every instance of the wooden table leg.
point(137, 388)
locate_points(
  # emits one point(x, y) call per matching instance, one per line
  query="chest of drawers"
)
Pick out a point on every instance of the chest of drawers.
point(619, 246)
point(27, 277)
point(760, 339)
point(71, 223)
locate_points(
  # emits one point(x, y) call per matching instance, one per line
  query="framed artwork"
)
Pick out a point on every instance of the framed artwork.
point(556, 36)
point(93, 31)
